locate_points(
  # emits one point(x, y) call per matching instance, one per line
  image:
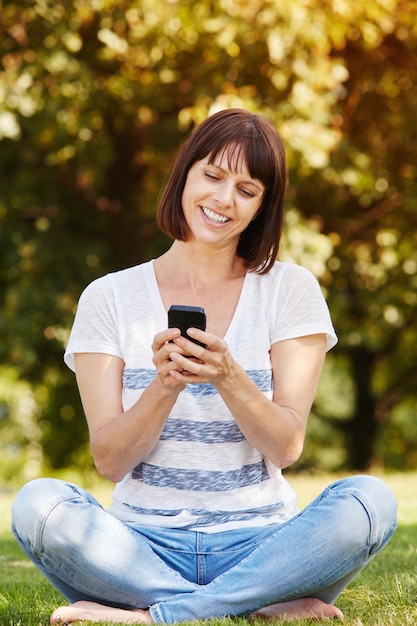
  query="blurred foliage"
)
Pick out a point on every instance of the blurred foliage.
point(96, 95)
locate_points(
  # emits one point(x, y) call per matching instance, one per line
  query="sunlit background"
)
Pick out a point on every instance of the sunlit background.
point(95, 97)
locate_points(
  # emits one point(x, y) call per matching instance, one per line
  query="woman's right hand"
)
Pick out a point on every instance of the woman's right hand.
point(162, 348)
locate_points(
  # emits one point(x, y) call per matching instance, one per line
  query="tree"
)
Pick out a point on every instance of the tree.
point(96, 98)
point(368, 192)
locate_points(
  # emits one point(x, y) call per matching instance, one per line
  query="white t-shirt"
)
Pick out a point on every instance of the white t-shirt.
point(203, 474)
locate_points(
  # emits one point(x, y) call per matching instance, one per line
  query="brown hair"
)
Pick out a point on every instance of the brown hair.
point(255, 139)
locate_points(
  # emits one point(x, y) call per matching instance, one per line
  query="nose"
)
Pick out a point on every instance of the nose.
point(224, 194)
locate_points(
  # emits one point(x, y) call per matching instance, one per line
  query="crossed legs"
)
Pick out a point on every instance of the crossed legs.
point(109, 573)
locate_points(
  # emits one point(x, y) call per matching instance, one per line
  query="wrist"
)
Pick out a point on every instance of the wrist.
point(167, 391)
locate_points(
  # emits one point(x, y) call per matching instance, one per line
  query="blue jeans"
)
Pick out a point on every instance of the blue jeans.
point(183, 575)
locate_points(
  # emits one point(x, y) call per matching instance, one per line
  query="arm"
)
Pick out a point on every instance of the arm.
point(276, 428)
point(119, 439)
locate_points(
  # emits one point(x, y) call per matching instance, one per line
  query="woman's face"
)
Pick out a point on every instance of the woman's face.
point(220, 199)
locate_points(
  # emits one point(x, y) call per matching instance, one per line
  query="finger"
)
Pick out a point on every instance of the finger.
point(184, 363)
point(199, 335)
point(163, 337)
point(212, 342)
point(189, 347)
point(168, 374)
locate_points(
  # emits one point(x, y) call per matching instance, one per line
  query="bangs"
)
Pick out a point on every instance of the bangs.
point(249, 151)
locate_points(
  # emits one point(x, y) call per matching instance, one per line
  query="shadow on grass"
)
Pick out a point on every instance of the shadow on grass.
point(26, 597)
point(385, 592)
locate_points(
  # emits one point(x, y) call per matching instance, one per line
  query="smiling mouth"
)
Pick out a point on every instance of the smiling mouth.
point(214, 217)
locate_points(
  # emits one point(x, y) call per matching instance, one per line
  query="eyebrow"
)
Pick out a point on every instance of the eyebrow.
point(251, 181)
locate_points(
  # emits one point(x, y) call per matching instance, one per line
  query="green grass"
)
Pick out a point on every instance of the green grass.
point(385, 594)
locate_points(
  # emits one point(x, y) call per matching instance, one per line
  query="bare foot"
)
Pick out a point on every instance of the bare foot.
point(93, 612)
point(302, 608)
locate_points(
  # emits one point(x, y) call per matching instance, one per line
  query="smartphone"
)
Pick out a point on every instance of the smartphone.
point(183, 317)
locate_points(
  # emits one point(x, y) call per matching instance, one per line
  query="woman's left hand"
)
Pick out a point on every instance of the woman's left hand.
point(205, 365)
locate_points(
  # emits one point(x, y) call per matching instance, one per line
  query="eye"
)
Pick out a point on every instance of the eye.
point(211, 175)
point(246, 192)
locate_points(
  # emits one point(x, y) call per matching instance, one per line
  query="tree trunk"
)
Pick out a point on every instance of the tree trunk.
point(362, 428)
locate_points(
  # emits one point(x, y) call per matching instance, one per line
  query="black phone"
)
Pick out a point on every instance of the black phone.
point(185, 317)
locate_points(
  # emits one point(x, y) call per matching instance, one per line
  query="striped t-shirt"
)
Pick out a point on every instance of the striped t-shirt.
point(203, 474)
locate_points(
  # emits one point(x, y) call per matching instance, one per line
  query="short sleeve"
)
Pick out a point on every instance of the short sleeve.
point(95, 326)
point(302, 308)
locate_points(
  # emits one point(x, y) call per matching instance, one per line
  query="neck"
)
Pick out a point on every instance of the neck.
point(199, 265)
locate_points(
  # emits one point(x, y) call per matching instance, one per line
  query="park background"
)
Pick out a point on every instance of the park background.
point(96, 96)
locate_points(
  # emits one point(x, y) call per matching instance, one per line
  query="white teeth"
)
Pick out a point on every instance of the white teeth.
point(215, 217)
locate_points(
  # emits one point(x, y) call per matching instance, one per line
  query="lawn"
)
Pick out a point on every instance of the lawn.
point(385, 594)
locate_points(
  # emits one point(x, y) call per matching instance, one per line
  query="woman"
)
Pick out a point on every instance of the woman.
point(202, 522)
